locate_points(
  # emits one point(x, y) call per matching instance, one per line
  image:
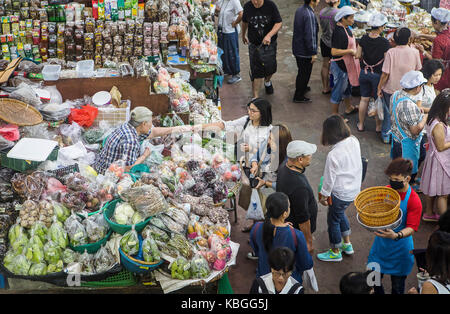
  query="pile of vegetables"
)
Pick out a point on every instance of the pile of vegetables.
point(124, 214)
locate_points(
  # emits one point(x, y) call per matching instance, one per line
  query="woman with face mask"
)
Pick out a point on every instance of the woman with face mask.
point(391, 248)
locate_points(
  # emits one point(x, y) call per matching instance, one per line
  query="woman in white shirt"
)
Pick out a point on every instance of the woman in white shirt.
point(229, 16)
point(341, 184)
point(432, 71)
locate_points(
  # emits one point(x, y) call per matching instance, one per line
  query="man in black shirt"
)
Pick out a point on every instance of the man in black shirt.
point(292, 181)
point(262, 20)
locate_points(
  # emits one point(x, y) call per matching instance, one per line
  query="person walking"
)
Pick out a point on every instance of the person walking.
point(292, 181)
point(341, 184)
point(398, 62)
point(262, 20)
point(408, 122)
point(441, 45)
point(230, 15)
point(276, 232)
point(327, 25)
point(279, 280)
point(305, 46)
point(344, 67)
point(371, 51)
point(438, 262)
point(391, 248)
point(432, 71)
point(435, 183)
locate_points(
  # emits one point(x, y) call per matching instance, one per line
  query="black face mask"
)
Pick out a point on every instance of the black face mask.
point(396, 185)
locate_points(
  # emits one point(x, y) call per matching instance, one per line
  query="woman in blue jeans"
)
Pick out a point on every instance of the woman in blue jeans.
point(341, 184)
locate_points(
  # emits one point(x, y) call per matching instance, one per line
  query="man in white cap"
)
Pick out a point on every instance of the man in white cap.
point(344, 67)
point(292, 181)
point(408, 122)
point(371, 51)
point(123, 142)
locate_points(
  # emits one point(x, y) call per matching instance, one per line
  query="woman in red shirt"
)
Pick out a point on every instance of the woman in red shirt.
point(391, 248)
point(441, 44)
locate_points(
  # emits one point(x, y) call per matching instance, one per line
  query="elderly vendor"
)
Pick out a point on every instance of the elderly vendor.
point(123, 142)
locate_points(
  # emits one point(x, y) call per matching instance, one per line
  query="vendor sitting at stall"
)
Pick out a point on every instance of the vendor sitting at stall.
point(123, 142)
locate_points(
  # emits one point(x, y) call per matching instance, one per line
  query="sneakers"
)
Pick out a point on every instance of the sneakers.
point(431, 218)
point(252, 256)
point(330, 256)
point(347, 248)
point(234, 79)
point(269, 89)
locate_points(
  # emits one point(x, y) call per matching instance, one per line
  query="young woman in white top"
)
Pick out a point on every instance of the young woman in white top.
point(249, 132)
point(341, 184)
point(432, 71)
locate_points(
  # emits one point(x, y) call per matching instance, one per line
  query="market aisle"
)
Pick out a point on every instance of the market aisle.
point(305, 122)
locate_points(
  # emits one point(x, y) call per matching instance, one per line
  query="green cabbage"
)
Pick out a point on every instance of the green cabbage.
point(58, 234)
point(14, 232)
point(61, 211)
point(38, 269)
point(52, 253)
point(21, 265)
point(69, 256)
point(40, 230)
point(56, 267)
point(19, 243)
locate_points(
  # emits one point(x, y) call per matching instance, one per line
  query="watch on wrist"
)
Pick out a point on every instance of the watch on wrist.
point(398, 236)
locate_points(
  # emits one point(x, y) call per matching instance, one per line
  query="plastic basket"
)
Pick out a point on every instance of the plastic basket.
point(92, 248)
point(25, 165)
point(378, 206)
point(137, 266)
point(62, 172)
point(123, 279)
point(114, 116)
point(108, 212)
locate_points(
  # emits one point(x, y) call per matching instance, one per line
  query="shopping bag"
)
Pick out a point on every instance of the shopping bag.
point(255, 211)
point(379, 108)
point(84, 116)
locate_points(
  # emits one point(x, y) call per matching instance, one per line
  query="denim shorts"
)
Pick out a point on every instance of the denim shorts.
point(341, 86)
point(368, 83)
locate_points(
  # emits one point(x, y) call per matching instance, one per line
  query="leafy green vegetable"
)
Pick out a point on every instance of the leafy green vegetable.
point(38, 269)
point(56, 267)
point(150, 250)
point(58, 234)
point(129, 243)
point(40, 230)
point(14, 232)
point(69, 256)
point(19, 243)
point(180, 269)
point(200, 267)
point(61, 211)
point(52, 252)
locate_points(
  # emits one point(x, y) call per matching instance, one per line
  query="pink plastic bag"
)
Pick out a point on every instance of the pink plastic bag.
point(10, 132)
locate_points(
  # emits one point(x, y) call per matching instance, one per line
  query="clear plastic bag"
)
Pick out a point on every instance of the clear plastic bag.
point(72, 133)
point(94, 231)
point(57, 234)
point(200, 267)
point(150, 250)
point(5, 144)
point(76, 231)
point(129, 243)
point(26, 93)
point(87, 263)
point(379, 104)
point(103, 260)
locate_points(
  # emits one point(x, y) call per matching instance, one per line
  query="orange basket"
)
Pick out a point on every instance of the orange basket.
point(378, 206)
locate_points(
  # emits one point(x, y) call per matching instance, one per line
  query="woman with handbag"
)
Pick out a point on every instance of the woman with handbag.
point(250, 131)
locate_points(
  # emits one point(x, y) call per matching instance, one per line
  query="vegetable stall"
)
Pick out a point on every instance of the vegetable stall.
point(163, 224)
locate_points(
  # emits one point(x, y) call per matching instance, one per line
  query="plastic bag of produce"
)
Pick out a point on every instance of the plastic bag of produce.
point(61, 211)
point(172, 225)
point(9, 258)
point(20, 265)
point(156, 233)
point(69, 256)
point(123, 213)
point(180, 269)
point(38, 269)
point(52, 252)
point(150, 250)
point(94, 231)
point(199, 267)
point(15, 232)
point(137, 218)
point(20, 242)
point(147, 200)
point(56, 267)
point(182, 245)
point(34, 250)
point(87, 263)
point(76, 231)
point(103, 260)
point(129, 243)
point(58, 235)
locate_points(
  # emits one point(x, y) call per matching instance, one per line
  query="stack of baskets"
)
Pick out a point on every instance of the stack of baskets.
point(378, 206)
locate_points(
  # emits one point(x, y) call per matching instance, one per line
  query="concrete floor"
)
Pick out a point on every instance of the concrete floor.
point(305, 122)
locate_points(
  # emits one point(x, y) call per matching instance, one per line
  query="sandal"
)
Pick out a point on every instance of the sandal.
point(360, 130)
point(354, 110)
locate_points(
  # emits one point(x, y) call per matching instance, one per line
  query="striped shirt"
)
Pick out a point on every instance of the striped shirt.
point(122, 143)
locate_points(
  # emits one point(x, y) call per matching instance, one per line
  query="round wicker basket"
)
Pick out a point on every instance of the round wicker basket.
point(19, 113)
point(378, 206)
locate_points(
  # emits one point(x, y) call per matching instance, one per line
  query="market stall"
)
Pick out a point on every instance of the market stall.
point(70, 74)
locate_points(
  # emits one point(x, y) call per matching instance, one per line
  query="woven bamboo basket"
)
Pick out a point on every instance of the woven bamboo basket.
point(378, 206)
point(19, 113)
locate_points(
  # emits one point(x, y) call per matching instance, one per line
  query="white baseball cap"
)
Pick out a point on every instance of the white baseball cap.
point(441, 14)
point(300, 148)
point(343, 12)
point(377, 20)
point(412, 79)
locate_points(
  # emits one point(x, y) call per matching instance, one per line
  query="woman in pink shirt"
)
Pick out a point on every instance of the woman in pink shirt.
point(398, 62)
